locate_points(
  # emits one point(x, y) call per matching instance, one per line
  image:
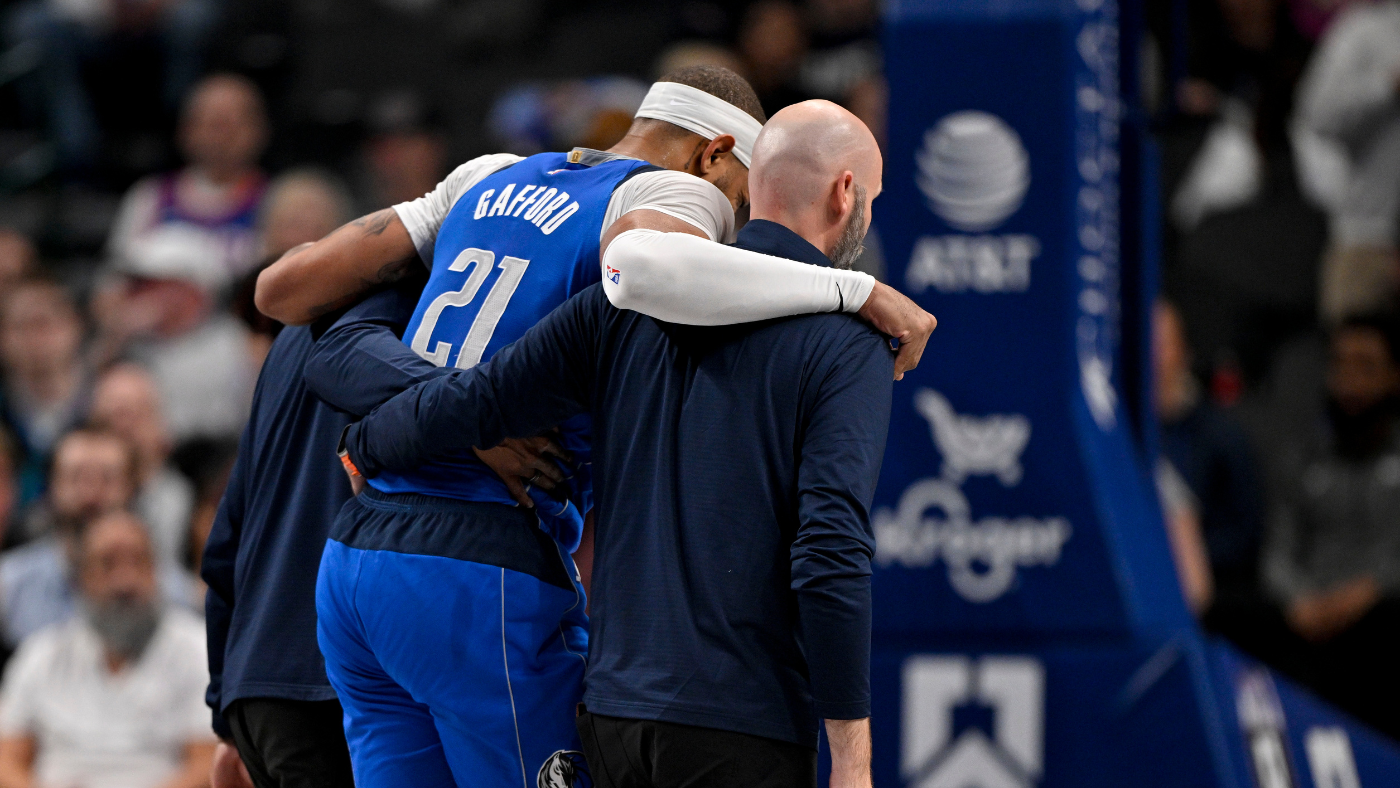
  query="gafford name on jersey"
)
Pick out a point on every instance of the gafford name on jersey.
point(534, 204)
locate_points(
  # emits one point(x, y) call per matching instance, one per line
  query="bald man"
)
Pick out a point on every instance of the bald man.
point(733, 471)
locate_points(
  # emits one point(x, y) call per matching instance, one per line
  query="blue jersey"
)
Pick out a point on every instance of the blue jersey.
point(519, 243)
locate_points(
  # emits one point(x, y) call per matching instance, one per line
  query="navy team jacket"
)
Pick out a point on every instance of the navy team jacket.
point(284, 492)
point(733, 472)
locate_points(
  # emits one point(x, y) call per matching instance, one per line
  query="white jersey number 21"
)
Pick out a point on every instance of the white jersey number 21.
point(481, 262)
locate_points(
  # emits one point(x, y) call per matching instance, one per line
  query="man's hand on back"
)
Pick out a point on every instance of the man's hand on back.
point(850, 752)
point(893, 313)
point(524, 462)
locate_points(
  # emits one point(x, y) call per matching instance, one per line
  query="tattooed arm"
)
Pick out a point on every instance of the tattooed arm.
point(314, 279)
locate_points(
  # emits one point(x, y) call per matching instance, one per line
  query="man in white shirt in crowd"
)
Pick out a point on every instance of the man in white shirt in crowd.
point(94, 474)
point(113, 698)
point(1351, 94)
point(127, 402)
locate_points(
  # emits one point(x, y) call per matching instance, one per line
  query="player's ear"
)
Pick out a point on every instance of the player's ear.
point(718, 146)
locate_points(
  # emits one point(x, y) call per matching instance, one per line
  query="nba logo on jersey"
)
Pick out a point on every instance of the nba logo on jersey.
point(613, 274)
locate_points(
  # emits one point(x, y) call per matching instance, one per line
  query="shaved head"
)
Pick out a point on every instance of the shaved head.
point(815, 166)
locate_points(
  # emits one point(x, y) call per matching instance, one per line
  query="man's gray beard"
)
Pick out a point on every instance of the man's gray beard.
point(849, 245)
point(125, 627)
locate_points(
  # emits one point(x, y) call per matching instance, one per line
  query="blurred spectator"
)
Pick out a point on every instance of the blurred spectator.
point(302, 205)
point(9, 483)
point(94, 473)
point(844, 49)
point(262, 330)
point(126, 402)
point(115, 696)
point(593, 113)
point(71, 36)
point(1352, 95)
point(684, 54)
point(214, 200)
point(1313, 17)
point(160, 312)
point(406, 154)
point(773, 43)
point(1333, 555)
point(1213, 456)
point(869, 100)
point(1181, 514)
point(17, 258)
point(44, 379)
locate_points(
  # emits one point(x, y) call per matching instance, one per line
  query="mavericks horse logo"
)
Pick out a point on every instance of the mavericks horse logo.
point(564, 769)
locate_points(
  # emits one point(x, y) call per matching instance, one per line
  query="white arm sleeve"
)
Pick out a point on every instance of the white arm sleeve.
point(681, 278)
point(423, 216)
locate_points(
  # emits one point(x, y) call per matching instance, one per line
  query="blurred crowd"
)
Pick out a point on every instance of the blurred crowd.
point(1277, 346)
point(155, 154)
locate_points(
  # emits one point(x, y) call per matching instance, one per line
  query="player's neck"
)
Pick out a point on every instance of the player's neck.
point(665, 154)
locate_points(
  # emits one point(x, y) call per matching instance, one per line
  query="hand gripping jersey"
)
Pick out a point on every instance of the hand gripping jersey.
point(513, 247)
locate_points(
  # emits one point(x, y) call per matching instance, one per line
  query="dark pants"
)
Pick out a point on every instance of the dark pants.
point(625, 753)
point(291, 743)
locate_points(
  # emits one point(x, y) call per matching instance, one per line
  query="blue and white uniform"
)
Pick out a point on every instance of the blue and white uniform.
point(451, 622)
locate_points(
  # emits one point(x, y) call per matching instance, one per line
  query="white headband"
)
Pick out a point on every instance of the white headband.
point(695, 110)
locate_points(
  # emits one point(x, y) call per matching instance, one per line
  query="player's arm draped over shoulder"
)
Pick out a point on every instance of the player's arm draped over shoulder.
point(676, 278)
point(314, 279)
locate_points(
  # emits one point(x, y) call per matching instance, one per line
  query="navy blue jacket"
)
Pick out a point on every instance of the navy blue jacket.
point(284, 492)
point(734, 469)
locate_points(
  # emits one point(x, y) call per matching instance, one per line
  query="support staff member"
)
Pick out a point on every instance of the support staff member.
point(273, 706)
point(733, 468)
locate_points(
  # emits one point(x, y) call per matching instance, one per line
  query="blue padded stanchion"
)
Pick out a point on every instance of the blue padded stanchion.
point(1029, 628)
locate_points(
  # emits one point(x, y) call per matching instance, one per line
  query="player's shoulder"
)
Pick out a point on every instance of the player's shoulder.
point(489, 162)
point(659, 181)
point(677, 194)
point(471, 172)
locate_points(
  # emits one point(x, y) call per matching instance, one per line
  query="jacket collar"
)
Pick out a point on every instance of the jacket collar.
point(761, 235)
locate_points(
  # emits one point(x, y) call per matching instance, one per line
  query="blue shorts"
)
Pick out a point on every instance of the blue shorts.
point(454, 635)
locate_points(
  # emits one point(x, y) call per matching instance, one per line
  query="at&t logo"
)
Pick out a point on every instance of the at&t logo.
point(974, 172)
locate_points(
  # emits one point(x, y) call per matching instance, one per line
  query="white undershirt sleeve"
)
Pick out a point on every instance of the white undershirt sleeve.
point(681, 278)
point(679, 195)
point(423, 216)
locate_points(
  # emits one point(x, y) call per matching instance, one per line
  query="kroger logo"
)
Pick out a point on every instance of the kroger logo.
point(934, 518)
point(973, 170)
